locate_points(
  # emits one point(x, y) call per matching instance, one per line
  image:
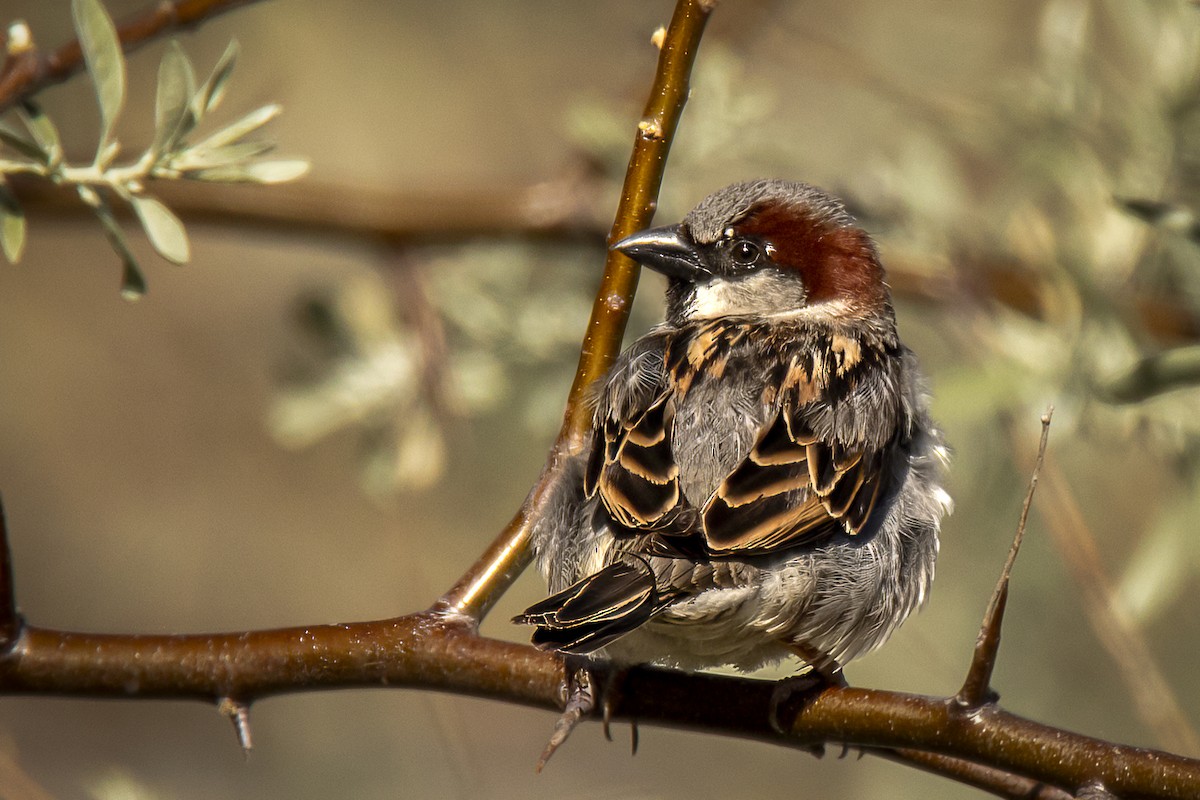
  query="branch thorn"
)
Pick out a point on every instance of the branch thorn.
point(976, 689)
point(238, 713)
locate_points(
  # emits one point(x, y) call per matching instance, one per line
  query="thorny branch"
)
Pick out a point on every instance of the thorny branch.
point(27, 71)
point(440, 649)
point(428, 651)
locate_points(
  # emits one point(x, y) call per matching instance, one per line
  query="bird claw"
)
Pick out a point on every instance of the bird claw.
point(609, 702)
point(580, 700)
point(792, 694)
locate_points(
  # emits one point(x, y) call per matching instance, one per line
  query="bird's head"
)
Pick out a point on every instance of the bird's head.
point(770, 248)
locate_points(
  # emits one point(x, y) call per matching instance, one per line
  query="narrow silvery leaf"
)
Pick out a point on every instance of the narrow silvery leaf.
point(173, 114)
point(246, 125)
point(12, 225)
point(108, 154)
point(133, 284)
point(42, 129)
point(213, 90)
point(163, 228)
point(239, 152)
point(276, 171)
point(105, 62)
point(22, 145)
point(256, 172)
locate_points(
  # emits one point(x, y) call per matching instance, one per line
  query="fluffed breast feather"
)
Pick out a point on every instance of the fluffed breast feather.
point(822, 447)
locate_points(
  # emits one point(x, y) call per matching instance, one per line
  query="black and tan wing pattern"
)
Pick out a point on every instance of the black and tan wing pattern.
point(811, 472)
point(598, 609)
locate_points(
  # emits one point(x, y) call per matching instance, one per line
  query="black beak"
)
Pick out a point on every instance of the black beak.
point(668, 250)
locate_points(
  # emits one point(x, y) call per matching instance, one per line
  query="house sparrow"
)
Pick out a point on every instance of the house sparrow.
point(763, 477)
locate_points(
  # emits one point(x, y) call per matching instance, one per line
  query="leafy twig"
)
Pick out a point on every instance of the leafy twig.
point(30, 73)
point(181, 105)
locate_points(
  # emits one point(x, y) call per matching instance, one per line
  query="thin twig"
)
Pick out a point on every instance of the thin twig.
point(10, 620)
point(481, 586)
point(1153, 699)
point(976, 689)
point(26, 76)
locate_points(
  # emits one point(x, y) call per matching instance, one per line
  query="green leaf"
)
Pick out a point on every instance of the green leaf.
point(42, 129)
point(105, 62)
point(194, 158)
point(246, 125)
point(22, 145)
point(108, 154)
point(277, 171)
point(12, 225)
point(257, 172)
point(213, 90)
point(174, 117)
point(163, 228)
point(133, 283)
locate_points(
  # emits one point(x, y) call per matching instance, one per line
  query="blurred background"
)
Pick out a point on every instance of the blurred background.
point(337, 404)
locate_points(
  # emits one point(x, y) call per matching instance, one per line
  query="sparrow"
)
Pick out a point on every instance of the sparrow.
point(763, 478)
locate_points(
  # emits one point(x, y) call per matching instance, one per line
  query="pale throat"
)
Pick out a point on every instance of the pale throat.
point(764, 293)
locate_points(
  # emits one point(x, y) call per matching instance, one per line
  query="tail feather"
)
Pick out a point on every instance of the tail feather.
point(596, 610)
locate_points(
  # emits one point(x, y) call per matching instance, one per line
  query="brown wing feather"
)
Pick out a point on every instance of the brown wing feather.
point(633, 470)
point(793, 487)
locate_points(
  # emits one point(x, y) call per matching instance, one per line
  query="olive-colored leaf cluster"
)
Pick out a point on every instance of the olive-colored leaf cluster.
point(181, 105)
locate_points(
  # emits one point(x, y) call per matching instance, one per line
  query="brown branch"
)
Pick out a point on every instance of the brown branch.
point(977, 688)
point(985, 778)
point(433, 651)
point(30, 73)
point(562, 209)
point(479, 588)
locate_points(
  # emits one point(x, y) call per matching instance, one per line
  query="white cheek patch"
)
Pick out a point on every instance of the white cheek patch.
point(765, 292)
point(717, 299)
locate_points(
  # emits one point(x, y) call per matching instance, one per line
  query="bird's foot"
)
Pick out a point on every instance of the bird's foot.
point(792, 694)
point(579, 699)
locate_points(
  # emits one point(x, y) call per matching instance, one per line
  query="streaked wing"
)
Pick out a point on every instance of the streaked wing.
point(598, 609)
point(793, 487)
point(633, 470)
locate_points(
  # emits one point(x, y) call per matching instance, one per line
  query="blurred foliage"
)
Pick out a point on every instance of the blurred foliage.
point(223, 156)
point(451, 333)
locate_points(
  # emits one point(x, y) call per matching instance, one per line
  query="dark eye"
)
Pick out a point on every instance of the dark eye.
point(744, 253)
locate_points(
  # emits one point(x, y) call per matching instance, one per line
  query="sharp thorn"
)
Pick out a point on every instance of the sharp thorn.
point(239, 714)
